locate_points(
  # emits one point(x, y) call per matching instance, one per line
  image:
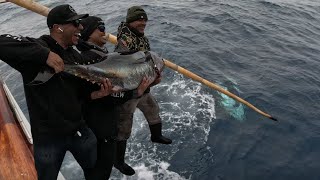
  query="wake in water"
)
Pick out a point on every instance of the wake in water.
point(187, 113)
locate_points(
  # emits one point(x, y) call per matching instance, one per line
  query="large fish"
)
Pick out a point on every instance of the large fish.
point(124, 70)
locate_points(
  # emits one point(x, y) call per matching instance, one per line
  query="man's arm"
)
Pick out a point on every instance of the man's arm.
point(54, 61)
point(121, 46)
point(105, 90)
point(27, 55)
point(16, 50)
point(145, 83)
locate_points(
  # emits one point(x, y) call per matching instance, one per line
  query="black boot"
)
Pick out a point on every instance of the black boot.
point(156, 135)
point(119, 160)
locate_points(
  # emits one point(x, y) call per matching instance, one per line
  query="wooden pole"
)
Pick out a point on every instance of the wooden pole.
point(40, 9)
point(32, 6)
point(214, 86)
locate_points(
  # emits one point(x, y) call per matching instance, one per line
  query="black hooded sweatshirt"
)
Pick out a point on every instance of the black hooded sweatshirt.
point(55, 107)
point(102, 114)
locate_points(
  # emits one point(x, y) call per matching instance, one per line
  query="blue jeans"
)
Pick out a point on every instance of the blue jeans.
point(49, 152)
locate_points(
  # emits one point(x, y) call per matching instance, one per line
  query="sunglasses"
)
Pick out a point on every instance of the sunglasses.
point(76, 23)
point(101, 28)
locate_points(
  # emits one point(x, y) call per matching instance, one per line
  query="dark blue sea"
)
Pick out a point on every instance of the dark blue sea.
point(265, 51)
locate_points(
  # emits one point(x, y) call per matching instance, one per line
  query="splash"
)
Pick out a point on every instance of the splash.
point(187, 113)
point(235, 108)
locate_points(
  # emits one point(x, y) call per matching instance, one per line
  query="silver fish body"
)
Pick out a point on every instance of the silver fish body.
point(125, 71)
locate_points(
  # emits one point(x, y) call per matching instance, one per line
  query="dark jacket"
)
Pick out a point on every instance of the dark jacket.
point(134, 40)
point(55, 107)
point(130, 39)
point(95, 54)
point(101, 114)
point(91, 52)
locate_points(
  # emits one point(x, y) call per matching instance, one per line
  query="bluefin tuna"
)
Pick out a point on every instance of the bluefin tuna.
point(124, 70)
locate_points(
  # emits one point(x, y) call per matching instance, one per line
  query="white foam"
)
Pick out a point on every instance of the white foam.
point(159, 171)
point(187, 112)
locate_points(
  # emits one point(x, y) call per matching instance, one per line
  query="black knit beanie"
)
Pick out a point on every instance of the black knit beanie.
point(89, 25)
point(135, 13)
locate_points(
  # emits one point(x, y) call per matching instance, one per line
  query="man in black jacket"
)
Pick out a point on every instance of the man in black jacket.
point(55, 107)
point(102, 115)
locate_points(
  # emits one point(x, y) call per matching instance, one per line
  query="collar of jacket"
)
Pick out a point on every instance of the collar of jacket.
point(133, 30)
point(94, 46)
point(53, 44)
point(86, 46)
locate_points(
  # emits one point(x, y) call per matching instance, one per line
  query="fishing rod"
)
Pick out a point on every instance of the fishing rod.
point(40, 9)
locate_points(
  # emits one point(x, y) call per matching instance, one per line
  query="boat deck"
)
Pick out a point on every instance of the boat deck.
point(16, 159)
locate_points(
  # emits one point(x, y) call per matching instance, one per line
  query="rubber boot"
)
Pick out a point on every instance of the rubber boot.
point(156, 135)
point(119, 160)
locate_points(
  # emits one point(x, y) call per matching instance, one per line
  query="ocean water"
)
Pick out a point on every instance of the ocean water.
point(265, 51)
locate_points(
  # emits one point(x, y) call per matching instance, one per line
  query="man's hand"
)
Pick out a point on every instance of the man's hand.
point(55, 62)
point(105, 89)
point(145, 83)
point(157, 80)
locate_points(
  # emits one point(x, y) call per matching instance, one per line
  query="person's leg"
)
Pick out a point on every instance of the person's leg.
point(125, 118)
point(123, 167)
point(48, 156)
point(150, 108)
point(104, 164)
point(83, 146)
point(125, 113)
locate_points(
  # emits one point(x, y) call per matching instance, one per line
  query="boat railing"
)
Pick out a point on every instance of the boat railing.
point(24, 123)
point(21, 118)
